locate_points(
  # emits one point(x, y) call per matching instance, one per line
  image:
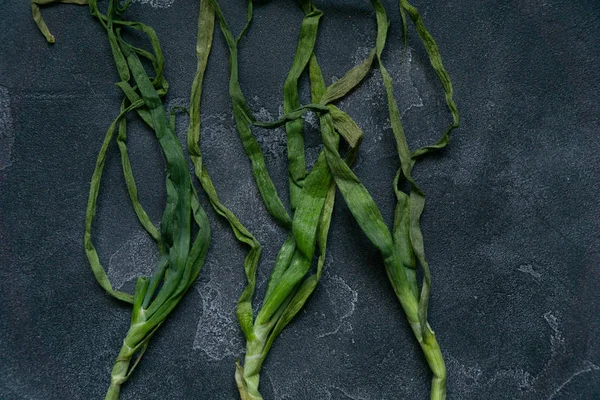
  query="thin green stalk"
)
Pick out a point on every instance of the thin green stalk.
point(206, 21)
point(243, 120)
point(37, 15)
point(291, 101)
point(416, 198)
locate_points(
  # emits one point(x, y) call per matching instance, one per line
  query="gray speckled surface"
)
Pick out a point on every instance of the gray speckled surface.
point(512, 225)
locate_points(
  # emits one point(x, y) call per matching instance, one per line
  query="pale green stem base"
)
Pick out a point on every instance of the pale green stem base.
point(248, 378)
point(119, 373)
point(434, 358)
point(430, 347)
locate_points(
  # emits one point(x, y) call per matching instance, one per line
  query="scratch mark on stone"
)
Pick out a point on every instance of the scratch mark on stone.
point(136, 257)
point(7, 134)
point(528, 269)
point(552, 321)
point(349, 395)
point(51, 96)
point(587, 367)
point(276, 395)
point(389, 356)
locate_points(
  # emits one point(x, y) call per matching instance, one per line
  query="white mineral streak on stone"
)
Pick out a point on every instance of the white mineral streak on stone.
point(311, 119)
point(411, 97)
point(217, 333)
point(214, 128)
point(468, 377)
point(557, 345)
point(136, 257)
point(178, 102)
point(557, 341)
point(343, 302)
point(464, 376)
point(276, 395)
point(517, 376)
point(156, 3)
point(271, 141)
point(586, 367)
point(284, 388)
point(7, 134)
point(342, 299)
point(264, 115)
point(528, 269)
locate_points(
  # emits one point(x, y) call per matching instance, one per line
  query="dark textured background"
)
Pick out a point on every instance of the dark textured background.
point(512, 225)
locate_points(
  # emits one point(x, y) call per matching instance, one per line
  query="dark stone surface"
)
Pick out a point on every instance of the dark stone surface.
point(512, 225)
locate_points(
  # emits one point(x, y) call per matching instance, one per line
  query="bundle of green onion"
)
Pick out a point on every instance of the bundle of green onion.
point(181, 258)
point(312, 193)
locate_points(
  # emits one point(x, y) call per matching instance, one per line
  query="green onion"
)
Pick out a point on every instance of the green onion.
point(181, 259)
point(312, 193)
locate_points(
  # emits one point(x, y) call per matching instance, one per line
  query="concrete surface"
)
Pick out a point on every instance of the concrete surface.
point(512, 223)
